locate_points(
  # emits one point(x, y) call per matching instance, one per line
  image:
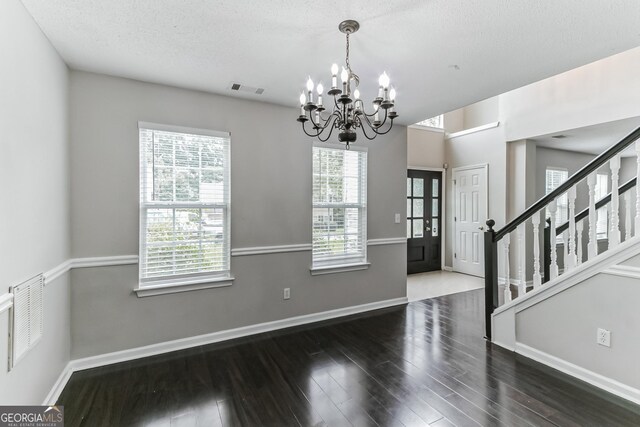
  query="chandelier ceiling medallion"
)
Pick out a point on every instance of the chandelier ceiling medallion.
point(348, 109)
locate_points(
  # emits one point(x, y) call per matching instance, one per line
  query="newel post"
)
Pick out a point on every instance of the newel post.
point(490, 275)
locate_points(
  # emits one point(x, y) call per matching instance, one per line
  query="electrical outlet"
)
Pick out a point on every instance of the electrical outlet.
point(287, 293)
point(604, 337)
point(397, 218)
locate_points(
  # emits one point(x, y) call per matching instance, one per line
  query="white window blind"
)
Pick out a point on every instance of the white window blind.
point(554, 178)
point(184, 204)
point(339, 206)
point(601, 190)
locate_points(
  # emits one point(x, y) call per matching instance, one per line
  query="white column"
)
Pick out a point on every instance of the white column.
point(579, 228)
point(553, 269)
point(592, 246)
point(537, 277)
point(570, 243)
point(627, 215)
point(614, 230)
point(522, 281)
point(507, 280)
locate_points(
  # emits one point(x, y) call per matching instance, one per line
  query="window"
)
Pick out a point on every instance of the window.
point(554, 178)
point(433, 122)
point(602, 190)
point(184, 205)
point(339, 206)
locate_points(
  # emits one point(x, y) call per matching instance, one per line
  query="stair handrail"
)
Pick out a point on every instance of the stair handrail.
point(600, 203)
point(491, 236)
point(590, 167)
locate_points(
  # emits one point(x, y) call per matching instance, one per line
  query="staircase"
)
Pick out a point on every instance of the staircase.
point(578, 292)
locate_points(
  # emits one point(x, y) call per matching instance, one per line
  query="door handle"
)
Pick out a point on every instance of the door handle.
point(481, 228)
point(427, 228)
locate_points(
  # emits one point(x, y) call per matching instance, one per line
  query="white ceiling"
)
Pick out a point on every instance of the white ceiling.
point(591, 139)
point(497, 45)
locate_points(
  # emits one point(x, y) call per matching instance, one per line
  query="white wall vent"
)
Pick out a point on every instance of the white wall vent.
point(244, 88)
point(26, 320)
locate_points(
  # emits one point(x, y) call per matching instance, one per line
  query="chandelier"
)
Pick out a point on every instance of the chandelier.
point(348, 109)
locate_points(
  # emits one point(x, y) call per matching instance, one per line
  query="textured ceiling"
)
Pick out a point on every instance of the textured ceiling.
point(440, 54)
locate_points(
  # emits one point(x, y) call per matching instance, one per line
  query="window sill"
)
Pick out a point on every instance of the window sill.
point(339, 268)
point(185, 285)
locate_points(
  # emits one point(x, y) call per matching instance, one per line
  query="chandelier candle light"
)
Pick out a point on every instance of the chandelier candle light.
point(348, 112)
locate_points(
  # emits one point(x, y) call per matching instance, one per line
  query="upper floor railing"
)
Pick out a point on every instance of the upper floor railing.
point(498, 283)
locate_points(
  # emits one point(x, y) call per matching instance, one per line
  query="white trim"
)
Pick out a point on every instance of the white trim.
point(622, 252)
point(58, 386)
point(425, 168)
point(214, 337)
point(388, 241)
point(57, 271)
point(104, 261)
point(593, 378)
point(472, 130)
point(340, 268)
point(260, 250)
point(184, 285)
point(623, 271)
point(6, 302)
point(183, 129)
point(429, 128)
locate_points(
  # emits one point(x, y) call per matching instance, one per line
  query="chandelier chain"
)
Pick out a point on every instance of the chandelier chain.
point(351, 73)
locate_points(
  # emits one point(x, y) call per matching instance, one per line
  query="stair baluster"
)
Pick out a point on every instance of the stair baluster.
point(627, 216)
point(592, 247)
point(570, 244)
point(522, 281)
point(614, 220)
point(553, 269)
point(507, 274)
point(580, 229)
point(537, 278)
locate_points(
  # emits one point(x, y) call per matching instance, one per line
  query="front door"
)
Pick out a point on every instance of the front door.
point(470, 192)
point(424, 208)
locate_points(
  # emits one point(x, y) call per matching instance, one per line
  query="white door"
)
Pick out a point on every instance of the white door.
point(470, 192)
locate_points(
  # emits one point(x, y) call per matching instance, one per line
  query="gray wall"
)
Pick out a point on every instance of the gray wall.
point(489, 147)
point(271, 205)
point(565, 326)
point(35, 187)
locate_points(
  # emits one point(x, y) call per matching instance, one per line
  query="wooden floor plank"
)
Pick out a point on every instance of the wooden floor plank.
point(421, 364)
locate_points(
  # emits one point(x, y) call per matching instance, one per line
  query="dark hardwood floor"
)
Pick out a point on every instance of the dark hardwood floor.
point(421, 364)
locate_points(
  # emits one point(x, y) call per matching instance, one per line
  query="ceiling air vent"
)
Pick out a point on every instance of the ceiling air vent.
point(248, 89)
point(559, 136)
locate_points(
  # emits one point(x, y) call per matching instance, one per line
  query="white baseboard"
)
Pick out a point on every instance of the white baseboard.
point(58, 386)
point(184, 343)
point(447, 268)
point(612, 386)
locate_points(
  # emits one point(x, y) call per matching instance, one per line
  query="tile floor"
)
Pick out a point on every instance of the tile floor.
point(437, 283)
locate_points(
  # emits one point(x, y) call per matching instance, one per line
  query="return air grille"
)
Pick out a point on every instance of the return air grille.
point(27, 320)
point(247, 89)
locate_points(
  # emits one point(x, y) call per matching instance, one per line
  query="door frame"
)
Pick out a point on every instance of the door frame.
point(443, 227)
point(485, 167)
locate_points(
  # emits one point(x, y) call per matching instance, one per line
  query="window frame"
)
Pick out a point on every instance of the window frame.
point(170, 283)
point(421, 123)
point(346, 263)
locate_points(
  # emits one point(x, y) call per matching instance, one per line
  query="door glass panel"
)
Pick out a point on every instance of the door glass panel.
point(418, 187)
point(435, 188)
point(417, 228)
point(418, 208)
point(408, 187)
point(434, 207)
point(409, 208)
point(434, 227)
point(408, 229)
